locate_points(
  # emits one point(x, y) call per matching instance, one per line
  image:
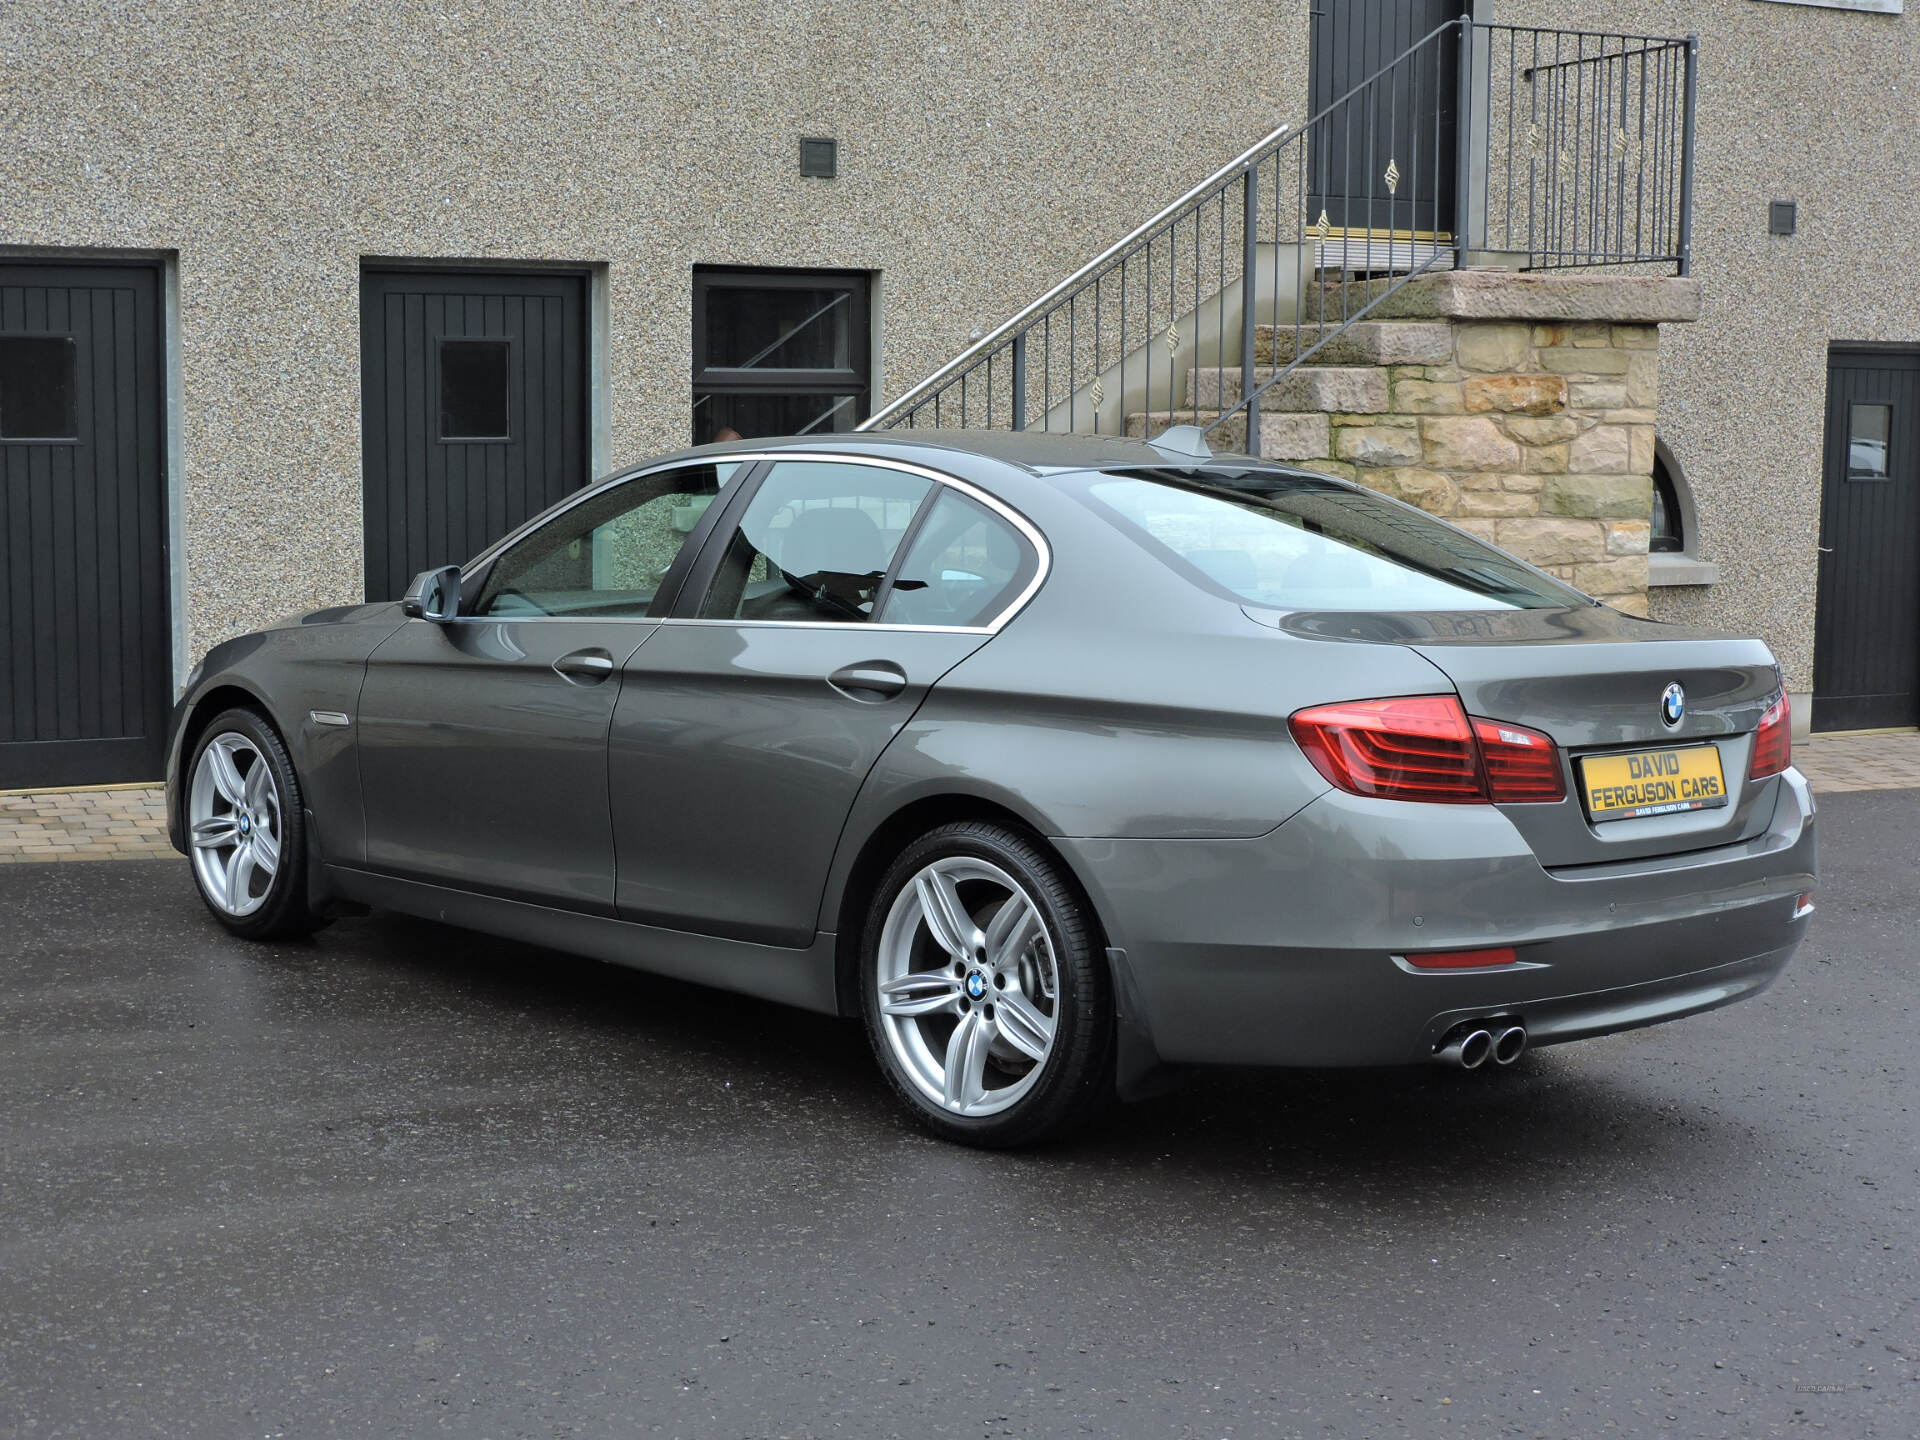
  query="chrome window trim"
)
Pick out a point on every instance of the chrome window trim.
point(1043, 552)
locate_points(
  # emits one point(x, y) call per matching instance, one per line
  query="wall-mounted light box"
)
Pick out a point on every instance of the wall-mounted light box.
point(819, 157)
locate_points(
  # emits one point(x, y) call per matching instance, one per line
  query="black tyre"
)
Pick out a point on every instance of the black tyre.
point(986, 989)
point(246, 829)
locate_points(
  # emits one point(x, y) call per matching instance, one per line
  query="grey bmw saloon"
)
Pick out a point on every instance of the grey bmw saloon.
point(1056, 759)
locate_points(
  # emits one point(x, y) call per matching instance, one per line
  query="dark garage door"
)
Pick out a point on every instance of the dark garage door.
point(1866, 639)
point(85, 681)
point(474, 411)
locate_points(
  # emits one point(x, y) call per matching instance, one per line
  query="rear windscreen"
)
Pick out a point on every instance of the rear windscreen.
point(1297, 542)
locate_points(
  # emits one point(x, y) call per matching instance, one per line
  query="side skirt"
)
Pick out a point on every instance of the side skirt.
point(792, 977)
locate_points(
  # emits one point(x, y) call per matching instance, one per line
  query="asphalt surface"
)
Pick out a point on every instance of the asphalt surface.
point(401, 1180)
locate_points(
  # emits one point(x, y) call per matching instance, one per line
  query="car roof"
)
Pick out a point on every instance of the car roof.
point(1038, 451)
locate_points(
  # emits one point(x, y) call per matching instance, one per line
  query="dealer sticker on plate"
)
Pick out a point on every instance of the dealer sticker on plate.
point(1653, 782)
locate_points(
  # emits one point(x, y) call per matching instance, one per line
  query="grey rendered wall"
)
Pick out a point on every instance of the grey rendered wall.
point(986, 148)
point(1798, 102)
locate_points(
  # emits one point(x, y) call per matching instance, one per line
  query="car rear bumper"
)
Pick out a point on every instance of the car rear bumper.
point(1289, 949)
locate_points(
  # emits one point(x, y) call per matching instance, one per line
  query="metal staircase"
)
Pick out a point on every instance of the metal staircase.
point(1518, 148)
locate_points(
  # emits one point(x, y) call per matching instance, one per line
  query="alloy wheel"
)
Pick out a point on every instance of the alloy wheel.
point(968, 986)
point(234, 824)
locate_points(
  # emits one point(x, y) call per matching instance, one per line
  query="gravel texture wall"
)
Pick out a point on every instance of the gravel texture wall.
point(1818, 106)
point(986, 148)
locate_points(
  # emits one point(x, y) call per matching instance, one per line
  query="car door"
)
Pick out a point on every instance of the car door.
point(483, 740)
point(827, 602)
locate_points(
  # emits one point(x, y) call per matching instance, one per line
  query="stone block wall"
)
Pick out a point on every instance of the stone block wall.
point(1536, 436)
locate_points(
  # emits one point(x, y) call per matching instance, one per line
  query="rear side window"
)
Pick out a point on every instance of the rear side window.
point(964, 567)
point(815, 543)
point(1293, 542)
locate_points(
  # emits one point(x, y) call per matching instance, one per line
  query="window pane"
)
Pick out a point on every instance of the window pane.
point(473, 389)
point(815, 543)
point(1293, 543)
point(36, 388)
point(966, 564)
point(750, 417)
point(607, 556)
point(1869, 428)
point(779, 329)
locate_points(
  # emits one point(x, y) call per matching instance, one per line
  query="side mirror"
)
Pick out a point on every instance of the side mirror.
point(434, 595)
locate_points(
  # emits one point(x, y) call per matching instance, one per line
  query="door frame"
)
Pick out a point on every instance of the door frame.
point(596, 364)
point(1832, 445)
point(166, 266)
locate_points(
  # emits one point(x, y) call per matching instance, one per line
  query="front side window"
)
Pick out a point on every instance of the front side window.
point(1294, 542)
point(965, 566)
point(815, 543)
point(606, 557)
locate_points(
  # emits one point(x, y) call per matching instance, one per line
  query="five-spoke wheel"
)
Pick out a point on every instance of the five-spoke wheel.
point(233, 824)
point(245, 828)
point(985, 993)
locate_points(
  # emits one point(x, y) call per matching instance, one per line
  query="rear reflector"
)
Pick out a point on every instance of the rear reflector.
point(1802, 907)
point(1424, 747)
point(1417, 747)
point(1523, 766)
point(1773, 741)
point(1463, 959)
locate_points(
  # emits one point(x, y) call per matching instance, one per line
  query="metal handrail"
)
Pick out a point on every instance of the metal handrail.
point(1087, 350)
point(1224, 175)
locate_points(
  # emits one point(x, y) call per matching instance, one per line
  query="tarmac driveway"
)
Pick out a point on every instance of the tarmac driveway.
point(403, 1180)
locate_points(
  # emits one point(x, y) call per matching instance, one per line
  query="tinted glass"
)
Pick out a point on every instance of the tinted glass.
point(751, 416)
point(36, 388)
point(1301, 543)
point(779, 328)
point(473, 389)
point(964, 567)
point(815, 543)
point(605, 557)
point(1869, 428)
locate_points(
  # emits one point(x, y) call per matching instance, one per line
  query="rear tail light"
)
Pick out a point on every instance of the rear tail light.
point(1423, 747)
point(1414, 748)
point(1773, 741)
point(1523, 766)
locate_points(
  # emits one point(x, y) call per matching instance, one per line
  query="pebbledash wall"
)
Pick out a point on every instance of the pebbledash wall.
point(1814, 103)
point(985, 149)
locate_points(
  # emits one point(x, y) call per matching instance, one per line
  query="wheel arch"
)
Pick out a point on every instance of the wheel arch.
point(886, 839)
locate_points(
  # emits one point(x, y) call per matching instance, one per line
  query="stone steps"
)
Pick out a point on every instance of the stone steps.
point(1284, 435)
point(1329, 389)
point(1371, 342)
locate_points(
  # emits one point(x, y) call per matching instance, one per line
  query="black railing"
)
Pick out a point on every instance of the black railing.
point(1477, 145)
point(1584, 145)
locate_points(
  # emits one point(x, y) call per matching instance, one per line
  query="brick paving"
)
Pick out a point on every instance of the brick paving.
point(130, 822)
point(122, 823)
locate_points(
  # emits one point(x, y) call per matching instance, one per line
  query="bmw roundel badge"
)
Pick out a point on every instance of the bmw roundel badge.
point(976, 985)
point(1673, 705)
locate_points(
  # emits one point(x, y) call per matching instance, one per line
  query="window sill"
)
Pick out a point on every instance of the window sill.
point(1876, 7)
point(1672, 569)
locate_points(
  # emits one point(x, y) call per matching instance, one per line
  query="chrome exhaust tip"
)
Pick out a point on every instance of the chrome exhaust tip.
point(1469, 1049)
point(1510, 1044)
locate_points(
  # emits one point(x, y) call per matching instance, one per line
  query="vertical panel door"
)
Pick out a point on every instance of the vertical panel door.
point(1390, 121)
point(1866, 655)
point(85, 625)
point(473, 411)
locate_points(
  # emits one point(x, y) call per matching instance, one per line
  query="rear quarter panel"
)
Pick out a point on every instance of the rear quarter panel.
point(1124, 703)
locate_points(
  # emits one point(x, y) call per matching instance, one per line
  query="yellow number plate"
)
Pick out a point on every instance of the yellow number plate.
point(1653, 782)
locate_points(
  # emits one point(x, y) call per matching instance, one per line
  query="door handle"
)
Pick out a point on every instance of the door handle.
point(584, 667)
point(869, 680)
